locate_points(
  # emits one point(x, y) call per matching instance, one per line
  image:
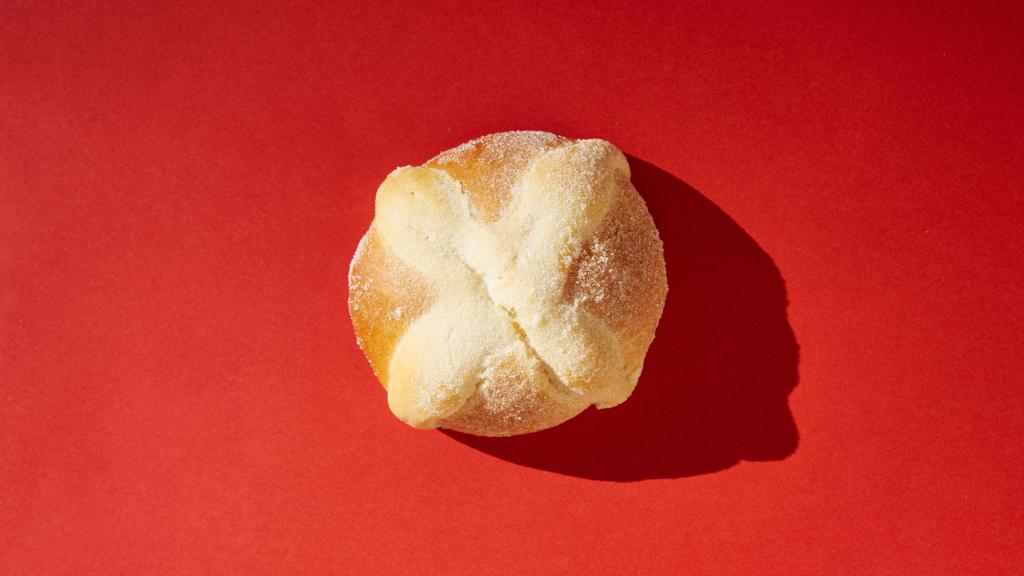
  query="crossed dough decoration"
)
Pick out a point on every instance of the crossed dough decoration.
point(499, 338)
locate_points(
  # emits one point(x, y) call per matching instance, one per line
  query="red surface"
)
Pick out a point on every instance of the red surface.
point(181, 190)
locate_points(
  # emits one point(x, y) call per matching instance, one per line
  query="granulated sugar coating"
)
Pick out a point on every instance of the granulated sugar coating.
point(379, 283)
point(489, 167)
point(508, 284)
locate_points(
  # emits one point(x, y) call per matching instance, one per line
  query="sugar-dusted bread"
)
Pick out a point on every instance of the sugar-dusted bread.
point(507, 284)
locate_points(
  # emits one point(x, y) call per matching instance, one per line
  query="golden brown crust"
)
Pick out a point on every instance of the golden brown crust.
point(508, 284)
point(619, 275)
point(488, 167)
point(509, 402)
point(385, 296)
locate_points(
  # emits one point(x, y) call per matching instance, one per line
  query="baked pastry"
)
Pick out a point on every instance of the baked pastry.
point(508, 284)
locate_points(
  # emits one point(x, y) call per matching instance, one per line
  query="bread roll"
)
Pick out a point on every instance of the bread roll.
point(508, 284)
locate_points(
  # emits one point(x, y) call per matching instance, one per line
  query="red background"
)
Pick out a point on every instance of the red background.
point(181, 190)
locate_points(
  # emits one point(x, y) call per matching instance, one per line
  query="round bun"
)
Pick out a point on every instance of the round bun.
point(508, 284)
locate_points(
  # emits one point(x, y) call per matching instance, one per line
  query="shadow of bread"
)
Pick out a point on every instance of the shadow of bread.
point(716, 379)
